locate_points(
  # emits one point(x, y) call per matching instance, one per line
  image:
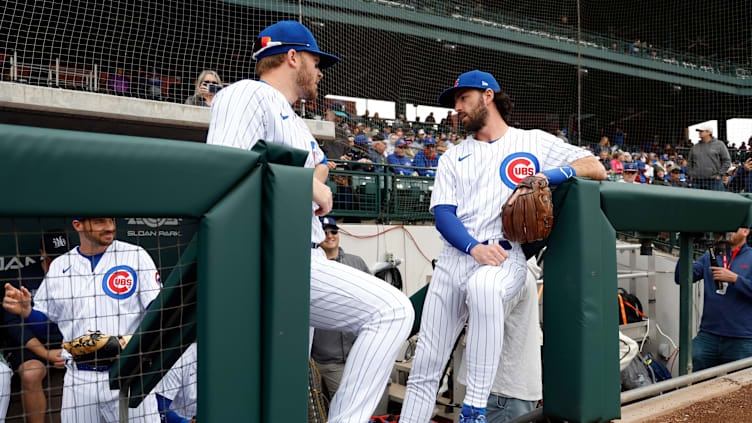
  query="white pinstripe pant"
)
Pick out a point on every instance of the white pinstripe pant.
point(346, 299)
point(461, 289)
point(5, 375)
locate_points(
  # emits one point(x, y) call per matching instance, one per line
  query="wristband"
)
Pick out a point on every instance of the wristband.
point(558, 175)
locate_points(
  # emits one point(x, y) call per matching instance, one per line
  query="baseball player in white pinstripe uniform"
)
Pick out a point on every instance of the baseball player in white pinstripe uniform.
point(5, 375)
point(104, 285)
point(177, 393)
point(342, 298)
point(478, 271)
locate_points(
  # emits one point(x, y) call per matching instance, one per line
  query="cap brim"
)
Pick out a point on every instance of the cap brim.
point(446, 98)
point(326, 60)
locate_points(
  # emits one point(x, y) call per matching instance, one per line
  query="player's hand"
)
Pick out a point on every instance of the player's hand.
point(55, 357)
point(491, 255)
point(748, 164)
point(17, 301)
point(722, 274)
point(322, 195)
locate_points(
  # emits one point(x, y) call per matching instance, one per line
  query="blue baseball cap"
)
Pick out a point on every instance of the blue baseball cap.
point(327, 222)
point(429, 141)
point(73, 219)
point(630, 167)
point(472, 79)
point(401, 143)
point(286, 35)
point(361, 139)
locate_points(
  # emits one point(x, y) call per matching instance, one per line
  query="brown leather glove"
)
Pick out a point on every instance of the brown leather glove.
point(531, 216)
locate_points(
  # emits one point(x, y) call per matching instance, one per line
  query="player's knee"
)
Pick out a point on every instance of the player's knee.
point(32, 372)
point(482, 288)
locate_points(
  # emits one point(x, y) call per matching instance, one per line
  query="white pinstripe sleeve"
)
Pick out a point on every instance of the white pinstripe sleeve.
point(559, 153)
point(444, 185)
point(239, 117)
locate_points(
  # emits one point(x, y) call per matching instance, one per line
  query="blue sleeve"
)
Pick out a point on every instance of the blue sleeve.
point(37, 322)
point(165, 415)
point(450, 227)
point(698, 267)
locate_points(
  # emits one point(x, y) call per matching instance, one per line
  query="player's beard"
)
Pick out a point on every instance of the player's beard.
point(100, 238)
point(306, 81)
point(477, 117)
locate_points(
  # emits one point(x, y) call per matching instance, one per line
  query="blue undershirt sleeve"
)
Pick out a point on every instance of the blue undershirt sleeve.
point(165, 415)
point(37, 322)
point(452, 229)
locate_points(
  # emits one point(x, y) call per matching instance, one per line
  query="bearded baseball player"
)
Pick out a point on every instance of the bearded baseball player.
point(342, 298)
point(479, 271)
point(103, 285)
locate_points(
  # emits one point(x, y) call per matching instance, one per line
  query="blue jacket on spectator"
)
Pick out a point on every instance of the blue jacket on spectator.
point(731, 314)
point(394, 159)
point(421, 160)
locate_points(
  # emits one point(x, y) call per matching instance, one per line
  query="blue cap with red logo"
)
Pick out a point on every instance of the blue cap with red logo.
point(401, 143)
point(429, 141)
point(630, 167)
point(286, 35)
point(472, 79)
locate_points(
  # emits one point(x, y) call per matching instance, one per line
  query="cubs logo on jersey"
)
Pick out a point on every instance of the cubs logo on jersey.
point(120, 282)
point(518, 166)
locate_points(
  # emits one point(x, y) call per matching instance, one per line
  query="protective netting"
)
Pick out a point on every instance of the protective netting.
point(146, 273)
point(639, 73)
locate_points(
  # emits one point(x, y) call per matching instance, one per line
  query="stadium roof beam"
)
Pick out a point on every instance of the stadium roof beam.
point(499, 38)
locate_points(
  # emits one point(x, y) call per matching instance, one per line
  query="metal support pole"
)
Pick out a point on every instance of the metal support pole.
point(123, 403)
point(685, 303)
point(57, 72)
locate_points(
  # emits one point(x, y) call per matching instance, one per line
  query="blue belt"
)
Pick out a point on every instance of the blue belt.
point(92, 368)
point(504, 244)
point(314, 245)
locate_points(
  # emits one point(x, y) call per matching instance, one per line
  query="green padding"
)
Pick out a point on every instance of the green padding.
point(230, 280)
point(286, 293)
point(166, 330)
point(418, 299)
point(681, 209)
point(78, 172)
point(581, 379)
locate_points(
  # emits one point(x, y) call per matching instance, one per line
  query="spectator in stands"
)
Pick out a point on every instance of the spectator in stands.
point(119, 83)
point(430, 118)
point(619, 137)
point(376, 153)
point(725, 334)
point(391, 142)
point(154, 85)
point(31, 348)
point(709, 159)
point(603, 144)
point(399, 158)
point(635, 48)
point(447, 121)
point(743, 147)
point(676, 178)
point(400, 121)
point(742, 178)
point(331, 348)
point(617, 163)
point(207, 85)
point(427, 158)
point(660, 177)
point(603, 158)
point(630, 173)
point(562, 134)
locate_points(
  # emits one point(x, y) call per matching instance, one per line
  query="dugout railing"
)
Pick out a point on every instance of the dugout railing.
point(253, 210)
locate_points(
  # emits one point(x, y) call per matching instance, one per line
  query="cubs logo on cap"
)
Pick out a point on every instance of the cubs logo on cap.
point(516, 167)
point(120, 282)
point(472, 79)
point(286, 35)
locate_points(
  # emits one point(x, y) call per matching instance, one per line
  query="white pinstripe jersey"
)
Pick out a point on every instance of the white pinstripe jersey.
point(179, 385)
point(478, 177)
point(112, 298)
point(248, 111)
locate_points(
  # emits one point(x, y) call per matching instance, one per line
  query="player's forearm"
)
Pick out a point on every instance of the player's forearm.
point(589, 167)
point(36, 347)
point(321, 172)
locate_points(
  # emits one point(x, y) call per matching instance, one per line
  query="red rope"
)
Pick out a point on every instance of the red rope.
point(385, 231)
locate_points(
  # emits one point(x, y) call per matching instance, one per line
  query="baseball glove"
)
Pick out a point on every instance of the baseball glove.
point(531, 217)
point(96, 347)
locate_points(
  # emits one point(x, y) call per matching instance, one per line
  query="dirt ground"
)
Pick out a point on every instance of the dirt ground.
point(733, 408)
